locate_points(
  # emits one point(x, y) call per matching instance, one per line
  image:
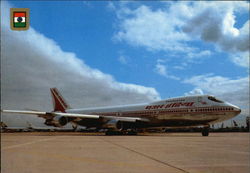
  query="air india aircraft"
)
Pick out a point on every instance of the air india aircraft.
point(179, 112)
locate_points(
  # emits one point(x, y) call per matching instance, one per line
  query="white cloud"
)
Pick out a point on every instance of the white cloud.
point(235, 91)
point(165, 29)
point(215, 22)
point(31, 63)
point(111, 6)
point(241, 59)
point(161, 69)
point(195, 55)
point(228, 25)
point(123, 59)
point(195, 91)
point(152, 29)
point(178, 67)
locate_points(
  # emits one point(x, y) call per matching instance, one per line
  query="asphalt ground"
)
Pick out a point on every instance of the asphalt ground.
point(73, 152)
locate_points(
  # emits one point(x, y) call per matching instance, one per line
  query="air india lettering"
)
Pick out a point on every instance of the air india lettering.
point(172, 105)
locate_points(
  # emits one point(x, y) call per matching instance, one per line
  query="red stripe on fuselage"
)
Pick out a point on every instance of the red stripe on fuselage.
point(163, 112)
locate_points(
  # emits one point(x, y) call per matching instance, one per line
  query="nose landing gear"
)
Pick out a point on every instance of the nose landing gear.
point(205, 131)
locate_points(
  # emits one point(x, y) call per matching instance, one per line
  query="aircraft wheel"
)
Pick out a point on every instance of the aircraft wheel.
point(132, 132)
point(109, 133)
point(205, 131)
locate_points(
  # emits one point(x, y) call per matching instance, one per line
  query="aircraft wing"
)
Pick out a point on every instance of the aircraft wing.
point(24, 112)
point(74, 115)
point(50, 114)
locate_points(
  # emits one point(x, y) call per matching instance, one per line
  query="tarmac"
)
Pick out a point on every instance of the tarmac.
point(74, 152)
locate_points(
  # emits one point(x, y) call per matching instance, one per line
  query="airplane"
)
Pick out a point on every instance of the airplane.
point(186, 111)
point(6, 128)
point(44, 129)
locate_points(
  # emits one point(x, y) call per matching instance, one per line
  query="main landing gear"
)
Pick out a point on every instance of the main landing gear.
point(109, 133)
point(130, 132)
point(205, 131)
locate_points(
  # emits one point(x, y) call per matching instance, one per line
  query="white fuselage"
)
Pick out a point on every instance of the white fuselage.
point(181, 111)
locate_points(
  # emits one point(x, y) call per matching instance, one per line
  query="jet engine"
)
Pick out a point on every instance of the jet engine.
point(57, 121)
point(114, 124)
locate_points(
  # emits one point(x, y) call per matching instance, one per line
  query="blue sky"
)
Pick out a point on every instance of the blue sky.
point(163, 49)
point(88, 29)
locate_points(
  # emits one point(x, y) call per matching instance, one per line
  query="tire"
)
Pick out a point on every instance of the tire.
point(110, 133)
point(205, 131)
point(132, 133)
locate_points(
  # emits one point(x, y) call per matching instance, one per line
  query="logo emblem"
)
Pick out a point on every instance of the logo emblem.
point(19, 19)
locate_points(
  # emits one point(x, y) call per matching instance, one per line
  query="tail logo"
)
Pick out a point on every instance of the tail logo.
point(58, 101)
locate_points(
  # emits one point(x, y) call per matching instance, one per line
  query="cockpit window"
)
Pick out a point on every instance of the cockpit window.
point(214, 99)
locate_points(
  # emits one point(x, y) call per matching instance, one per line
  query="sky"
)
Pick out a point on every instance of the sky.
point(111, 53)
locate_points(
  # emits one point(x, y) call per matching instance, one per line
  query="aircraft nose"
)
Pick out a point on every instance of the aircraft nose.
point(237, 109)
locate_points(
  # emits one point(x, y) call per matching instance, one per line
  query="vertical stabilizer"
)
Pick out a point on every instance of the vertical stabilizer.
point(59, 102)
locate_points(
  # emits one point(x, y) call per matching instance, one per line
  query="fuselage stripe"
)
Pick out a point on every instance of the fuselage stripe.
point(200, 110)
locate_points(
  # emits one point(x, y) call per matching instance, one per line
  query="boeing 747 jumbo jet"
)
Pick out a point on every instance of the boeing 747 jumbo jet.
point(189, 111)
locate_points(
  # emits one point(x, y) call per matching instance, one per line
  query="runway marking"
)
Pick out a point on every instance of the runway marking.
point(29, 143)
point(147, 156)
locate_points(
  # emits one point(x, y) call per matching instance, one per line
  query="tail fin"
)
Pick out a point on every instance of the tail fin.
point(58, 100)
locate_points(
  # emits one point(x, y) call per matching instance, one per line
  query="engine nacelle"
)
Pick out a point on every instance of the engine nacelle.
point(114, 124)
point(57, 121)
